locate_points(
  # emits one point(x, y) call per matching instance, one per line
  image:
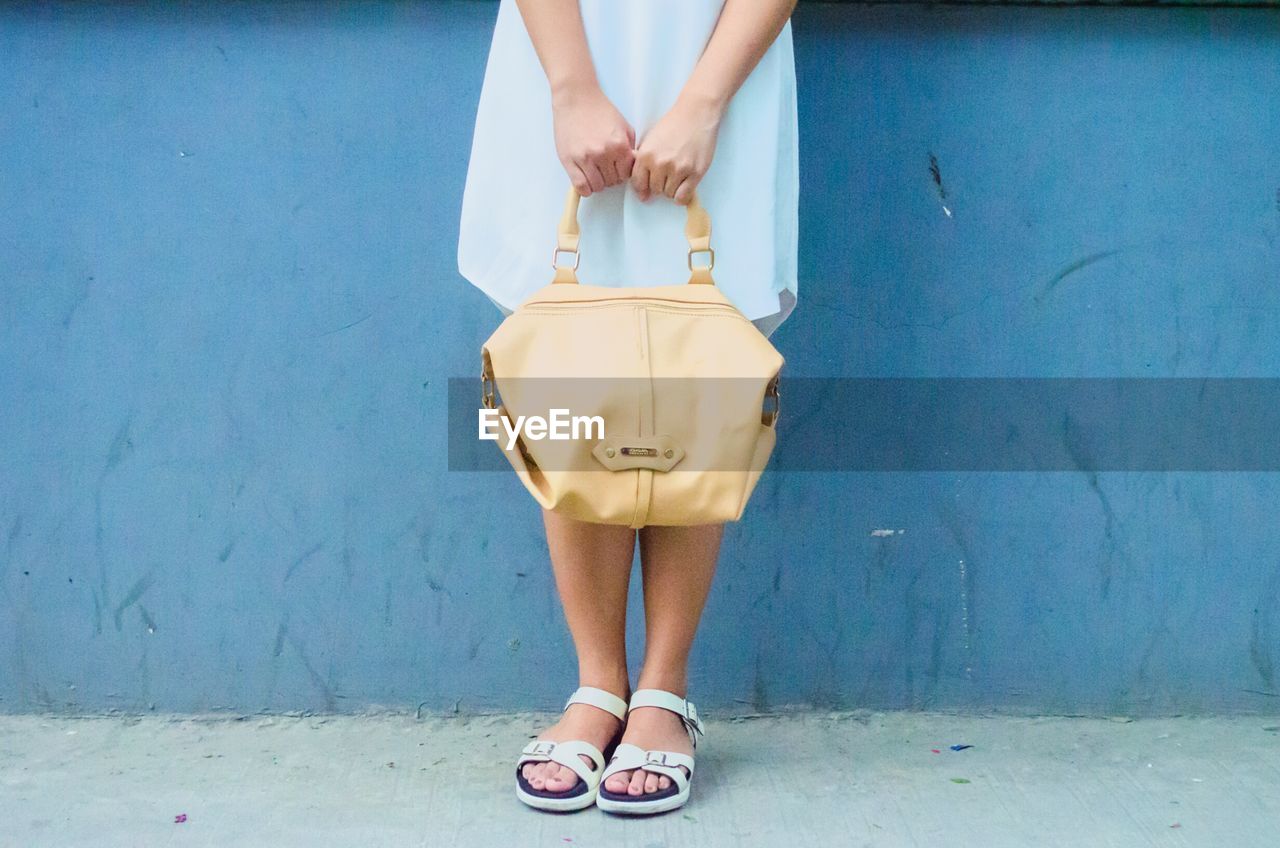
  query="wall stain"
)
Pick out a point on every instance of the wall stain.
point(916, 612)
point(348, 563)
point(965, 580)
point(306, 555)
point(1067, 271)
point(348, 559)
point(121, 445)
point(81, 295)
point(956, 527)
point(147, 620)
point(330, 702)
point(12, 539)
point(424, 545)
point(1158, 637)
point(11, 542)
point(1260, 631)
point(343, 327)
point(281, 632)
point(935, 171)
point(1259, 648)
point(226, 552)
point(138, 589)
point(759, 692)
point(878, 566)
point(1079, 454)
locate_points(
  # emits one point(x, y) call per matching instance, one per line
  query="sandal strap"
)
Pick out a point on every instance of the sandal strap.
point(601, 698)
point(670, 701)
point(566, 754)
point(628, 757)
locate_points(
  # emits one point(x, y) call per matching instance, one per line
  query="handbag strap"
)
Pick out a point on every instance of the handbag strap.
point(697, 229)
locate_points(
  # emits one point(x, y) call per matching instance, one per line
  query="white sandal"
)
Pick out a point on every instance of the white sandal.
point(583, 793)
point(627, 757)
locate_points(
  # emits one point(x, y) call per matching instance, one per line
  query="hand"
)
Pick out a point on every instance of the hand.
point(675, 154)
point(594, 142)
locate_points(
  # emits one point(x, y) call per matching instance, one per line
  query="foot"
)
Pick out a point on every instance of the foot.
point(579, 721)
point(651, 728)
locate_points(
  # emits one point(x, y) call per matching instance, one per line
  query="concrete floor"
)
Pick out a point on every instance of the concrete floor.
point(827, 779)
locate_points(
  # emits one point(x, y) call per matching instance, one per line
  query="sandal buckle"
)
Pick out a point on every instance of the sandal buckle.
point(691, 716)
point(655, 757)
point(540, 747)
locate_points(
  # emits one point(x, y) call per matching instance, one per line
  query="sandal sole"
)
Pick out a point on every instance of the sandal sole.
point(638, 808)
point(558, 805)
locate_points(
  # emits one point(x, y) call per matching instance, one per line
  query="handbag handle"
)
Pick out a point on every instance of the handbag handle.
point(697, 229)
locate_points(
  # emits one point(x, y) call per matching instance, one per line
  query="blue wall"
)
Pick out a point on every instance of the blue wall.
point(230, 307)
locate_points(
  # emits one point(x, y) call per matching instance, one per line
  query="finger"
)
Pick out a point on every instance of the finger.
point(624, 163)
point(684, 191)
point(609, 170)
point(658, 181)
point(593, 175)
point(640, 179)
point(672, 183)
point(578, 179)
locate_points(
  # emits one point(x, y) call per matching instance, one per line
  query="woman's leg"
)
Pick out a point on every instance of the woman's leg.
point(592, 567)
point(677, 564)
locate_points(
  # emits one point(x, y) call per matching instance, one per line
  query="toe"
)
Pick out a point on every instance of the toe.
point(636, 787)
point(561, 778)
point(651, 783)
point(663, 782)
point(618, 781)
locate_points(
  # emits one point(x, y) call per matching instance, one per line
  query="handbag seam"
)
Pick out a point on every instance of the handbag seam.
point(662, 309)
point(644, 484)
point(705, 311)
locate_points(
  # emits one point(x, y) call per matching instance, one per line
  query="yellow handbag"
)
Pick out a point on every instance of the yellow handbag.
point(683, 388)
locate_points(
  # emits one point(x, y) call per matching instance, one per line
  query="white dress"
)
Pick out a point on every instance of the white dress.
point(643, 51)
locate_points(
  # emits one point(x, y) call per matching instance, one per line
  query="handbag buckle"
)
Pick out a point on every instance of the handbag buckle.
point(555, 259)
point(769, 416)
point(711, 262)
point(488, 388)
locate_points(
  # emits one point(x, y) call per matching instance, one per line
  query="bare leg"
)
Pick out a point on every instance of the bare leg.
point(677, 564)
point(592, 567)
